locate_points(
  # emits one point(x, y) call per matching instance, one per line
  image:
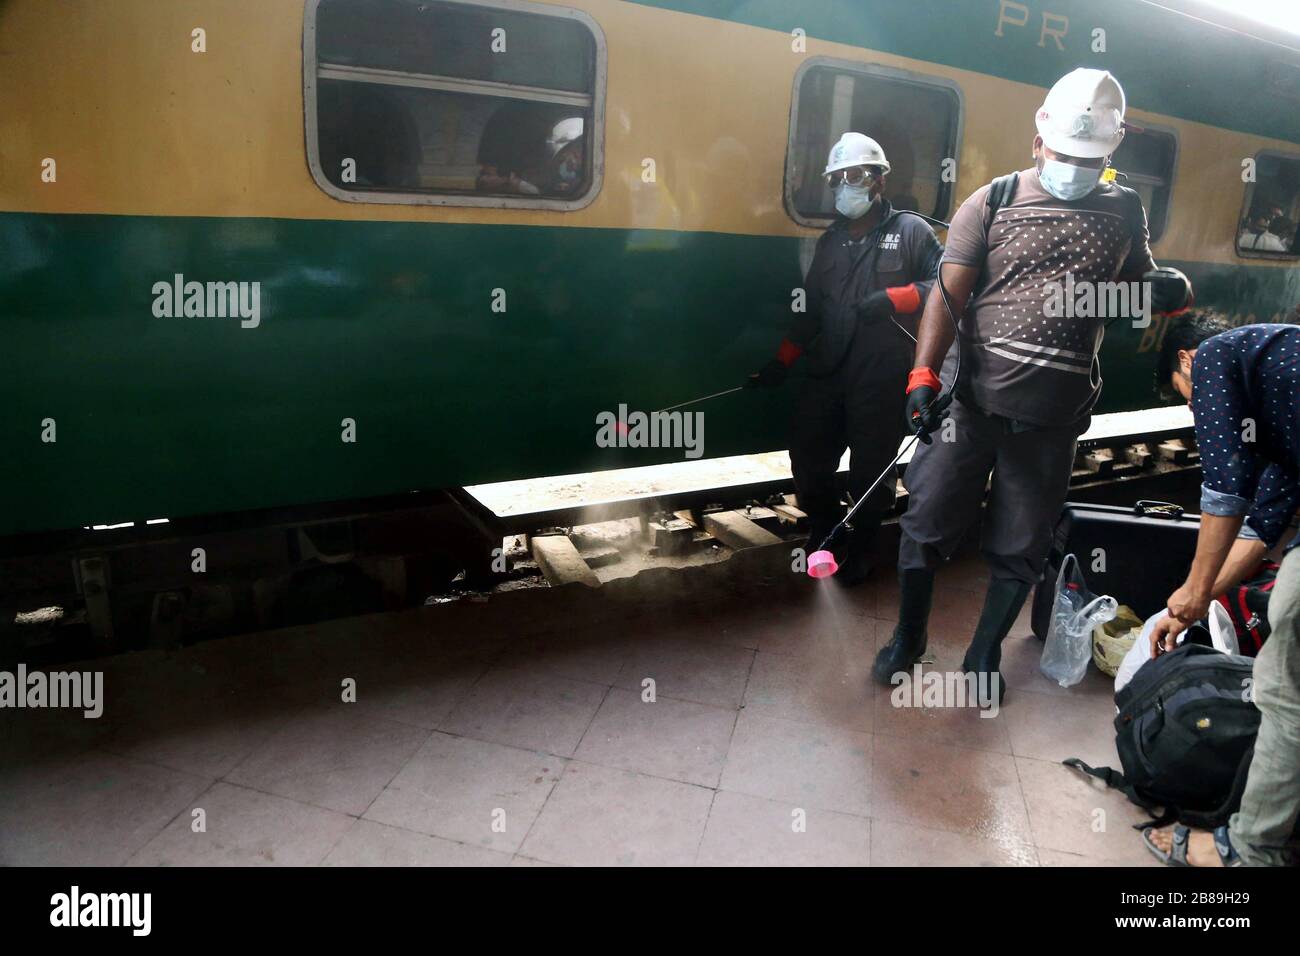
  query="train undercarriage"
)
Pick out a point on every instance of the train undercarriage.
point(165, 583)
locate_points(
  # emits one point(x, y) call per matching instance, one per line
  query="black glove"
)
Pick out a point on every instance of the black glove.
point(878, 305)
point(1171, 290)
point(923, 412)
point(769, 376)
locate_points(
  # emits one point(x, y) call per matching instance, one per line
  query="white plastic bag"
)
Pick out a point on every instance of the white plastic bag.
point(1139, 653)
point(1075, 613)
point(1222, 634)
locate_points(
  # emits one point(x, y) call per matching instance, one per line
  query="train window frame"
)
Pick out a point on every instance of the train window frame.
point(1248, 197)
point(1155, 235)
point(875, 71)
point(398, 197)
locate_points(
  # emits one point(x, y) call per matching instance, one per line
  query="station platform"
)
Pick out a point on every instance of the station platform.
point(524, 503)
point(514, 731)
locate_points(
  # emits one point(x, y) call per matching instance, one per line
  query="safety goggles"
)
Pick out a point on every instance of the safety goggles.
point(853, 176)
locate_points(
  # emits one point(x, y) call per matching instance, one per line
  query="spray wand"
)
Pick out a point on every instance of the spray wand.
point(822, 563)
point(704, 398)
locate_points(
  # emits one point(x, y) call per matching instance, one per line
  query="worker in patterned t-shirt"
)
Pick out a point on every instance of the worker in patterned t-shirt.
point(1029, 372)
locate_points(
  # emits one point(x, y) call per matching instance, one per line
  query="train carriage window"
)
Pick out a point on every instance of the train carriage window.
point(1147, 158)
point(457, 102)
point(915, 119)
point(1272, 209)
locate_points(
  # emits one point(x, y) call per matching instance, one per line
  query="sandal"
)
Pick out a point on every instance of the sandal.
point(1227, 854)
point(1177, 855)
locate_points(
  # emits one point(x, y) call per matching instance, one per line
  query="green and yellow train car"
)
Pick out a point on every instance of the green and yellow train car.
point(257, 253)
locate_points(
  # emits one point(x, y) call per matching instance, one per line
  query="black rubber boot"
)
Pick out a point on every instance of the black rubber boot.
point(916, 588)
point(1002, 604)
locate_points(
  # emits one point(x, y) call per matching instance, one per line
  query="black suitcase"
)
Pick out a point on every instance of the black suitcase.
point(1147, 551)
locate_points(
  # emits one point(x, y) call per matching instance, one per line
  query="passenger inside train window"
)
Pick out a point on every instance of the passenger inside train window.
point(1285, 229)
point(530, 149)
point(1257, 232)
point(567, 169)
point(1273, 201)
point(411, 99)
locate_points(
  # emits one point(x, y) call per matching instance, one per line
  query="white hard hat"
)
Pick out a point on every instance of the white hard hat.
point(854, 149)
point(1083, 115)
point(565, 132)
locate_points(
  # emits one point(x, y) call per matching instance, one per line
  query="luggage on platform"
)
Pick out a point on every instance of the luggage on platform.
point(1137, 555)
point(1185, 733)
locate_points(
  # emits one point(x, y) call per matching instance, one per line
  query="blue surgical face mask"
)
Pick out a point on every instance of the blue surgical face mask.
point(853, 201)
point(1067, 181)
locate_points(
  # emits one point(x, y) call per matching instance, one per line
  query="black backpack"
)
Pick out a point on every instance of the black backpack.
point(1185, 733)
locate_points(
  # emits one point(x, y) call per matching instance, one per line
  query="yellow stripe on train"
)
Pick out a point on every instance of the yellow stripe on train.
point(139, 124)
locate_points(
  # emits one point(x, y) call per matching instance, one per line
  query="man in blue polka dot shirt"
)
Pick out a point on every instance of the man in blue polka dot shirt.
point(1243, 385)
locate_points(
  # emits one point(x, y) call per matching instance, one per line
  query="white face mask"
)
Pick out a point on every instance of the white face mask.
point(1066, 181)
point(853, 201)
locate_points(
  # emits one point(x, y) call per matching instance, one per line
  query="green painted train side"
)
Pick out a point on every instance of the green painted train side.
point(391, 324)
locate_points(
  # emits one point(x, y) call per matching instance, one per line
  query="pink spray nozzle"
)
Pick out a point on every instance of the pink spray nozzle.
point(821, 564)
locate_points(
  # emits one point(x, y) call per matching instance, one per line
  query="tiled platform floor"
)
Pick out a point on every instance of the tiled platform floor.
point(514, 733)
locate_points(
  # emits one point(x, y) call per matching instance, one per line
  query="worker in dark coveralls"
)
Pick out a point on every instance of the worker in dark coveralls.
point(1028, 381)
point(872, 266)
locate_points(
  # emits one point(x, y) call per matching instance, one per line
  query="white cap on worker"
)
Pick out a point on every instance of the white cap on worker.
point(854, 149)
point(1083, 115)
